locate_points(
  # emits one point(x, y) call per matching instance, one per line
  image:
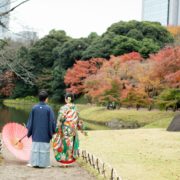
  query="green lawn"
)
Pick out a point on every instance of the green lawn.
point(95, 116)
point(141, 154)
point(154, 118)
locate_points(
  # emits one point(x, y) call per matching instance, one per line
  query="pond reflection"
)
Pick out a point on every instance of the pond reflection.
point(20, 114)
point(8, 114)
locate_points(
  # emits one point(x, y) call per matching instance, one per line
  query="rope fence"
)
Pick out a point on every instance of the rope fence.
point(102, 168)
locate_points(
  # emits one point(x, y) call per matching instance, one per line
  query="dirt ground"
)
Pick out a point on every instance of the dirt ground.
point(11, 168)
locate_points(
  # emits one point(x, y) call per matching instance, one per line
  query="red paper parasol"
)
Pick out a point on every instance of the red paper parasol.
point(15, 139)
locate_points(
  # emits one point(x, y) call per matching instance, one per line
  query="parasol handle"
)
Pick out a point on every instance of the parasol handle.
point(21, 139)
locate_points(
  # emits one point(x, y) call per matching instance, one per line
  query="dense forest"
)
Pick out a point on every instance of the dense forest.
point(132, 63)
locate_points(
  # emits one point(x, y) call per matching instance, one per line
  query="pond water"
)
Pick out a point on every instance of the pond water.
point(8, 114)
point(20, 115)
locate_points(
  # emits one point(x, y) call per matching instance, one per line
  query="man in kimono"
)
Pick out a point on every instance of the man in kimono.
point(41, 126)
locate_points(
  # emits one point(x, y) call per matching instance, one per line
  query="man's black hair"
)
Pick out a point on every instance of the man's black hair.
point(43, 95)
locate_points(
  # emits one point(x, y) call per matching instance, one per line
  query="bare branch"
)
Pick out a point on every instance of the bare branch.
point(12, 9)
point(7, 3)
point(20, 67)
point(2, 24)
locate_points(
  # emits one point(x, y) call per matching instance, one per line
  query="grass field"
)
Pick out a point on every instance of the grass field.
point(143, 117)
point(95, 116)
point(141, 154)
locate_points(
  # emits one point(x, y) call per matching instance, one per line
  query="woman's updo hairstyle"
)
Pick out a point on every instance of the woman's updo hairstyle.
point(69, 97)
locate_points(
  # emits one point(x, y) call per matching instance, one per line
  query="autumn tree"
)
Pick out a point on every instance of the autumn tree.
point(173, 79)
point(102, 88)
point(7, 83)
point(160, 72)
point(167, 66)
point(114, 80)
point(175, 31)
point(136, 97)
point(75, 76)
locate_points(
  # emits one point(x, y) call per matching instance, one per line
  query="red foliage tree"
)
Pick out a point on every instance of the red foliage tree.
point(127, 78)
point(167, 66)
point(7, 83)
point(75, 76)
point(103, 87)
point(114, 80)
point(131, 56)
point(173, 79)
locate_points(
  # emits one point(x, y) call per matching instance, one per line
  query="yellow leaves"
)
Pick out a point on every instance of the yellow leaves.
point(174, 30)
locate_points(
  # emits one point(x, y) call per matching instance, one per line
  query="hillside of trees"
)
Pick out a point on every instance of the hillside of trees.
point(131, 63)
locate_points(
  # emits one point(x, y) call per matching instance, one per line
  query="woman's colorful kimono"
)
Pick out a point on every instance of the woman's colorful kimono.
point(65, 140)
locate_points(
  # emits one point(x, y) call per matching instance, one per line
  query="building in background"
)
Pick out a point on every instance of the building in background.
point(174, 13)
point(167, 12)
point(4, 20)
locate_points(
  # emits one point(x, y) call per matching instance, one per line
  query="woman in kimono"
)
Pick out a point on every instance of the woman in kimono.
point(65, 140)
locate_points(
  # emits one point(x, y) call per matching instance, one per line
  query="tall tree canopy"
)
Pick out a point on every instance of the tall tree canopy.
point(117, 65)
point(42, 53)
point(124, 37)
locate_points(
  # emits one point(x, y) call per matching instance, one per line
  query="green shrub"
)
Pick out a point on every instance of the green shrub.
point(169, 98)
point(81, 100)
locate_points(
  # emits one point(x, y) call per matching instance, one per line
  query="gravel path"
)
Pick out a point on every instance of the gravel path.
point(14, 169)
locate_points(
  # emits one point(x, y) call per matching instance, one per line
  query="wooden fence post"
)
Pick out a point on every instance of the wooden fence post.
point(78, 153)
point(86, 156)
point(97, 165)
point(109, 173)
point(103, 170)
point(119, 178)
point(92, 160)
point(89, 159)
point(112, 174)
point(83, 155)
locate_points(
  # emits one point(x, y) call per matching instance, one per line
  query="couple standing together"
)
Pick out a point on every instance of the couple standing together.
point(43, 127)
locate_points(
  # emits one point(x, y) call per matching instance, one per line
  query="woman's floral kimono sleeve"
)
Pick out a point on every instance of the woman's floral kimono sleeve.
point(61, 114)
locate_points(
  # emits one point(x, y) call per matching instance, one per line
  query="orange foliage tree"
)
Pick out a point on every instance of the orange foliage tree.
point(175, 31)
point(160, 71)
point(74, 77)
point(127, 79)
point(103, 87)
point(115, 80)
